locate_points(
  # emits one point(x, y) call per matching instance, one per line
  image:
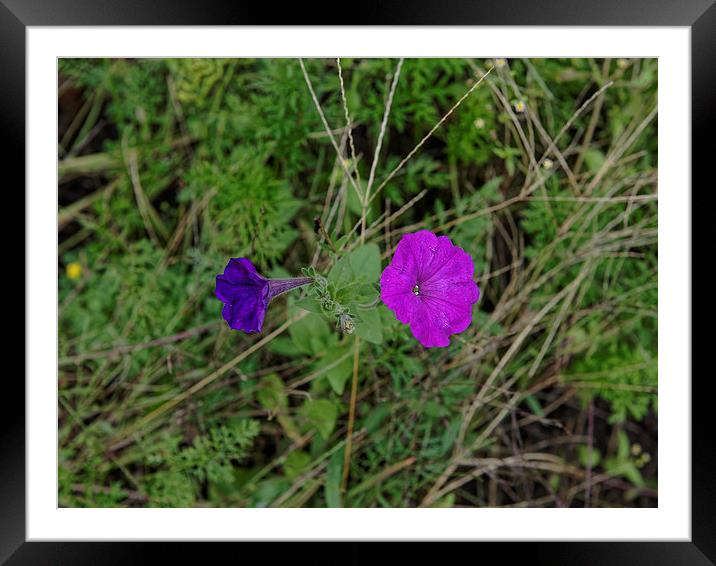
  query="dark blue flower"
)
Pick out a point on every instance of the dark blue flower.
point(246, 294)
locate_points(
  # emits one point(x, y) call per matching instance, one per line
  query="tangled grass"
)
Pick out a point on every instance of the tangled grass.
point(544, 170)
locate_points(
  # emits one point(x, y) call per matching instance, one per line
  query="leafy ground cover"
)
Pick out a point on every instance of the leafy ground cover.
point(543, 170)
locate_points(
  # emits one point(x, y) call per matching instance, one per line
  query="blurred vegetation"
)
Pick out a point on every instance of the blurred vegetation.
point(545, 173)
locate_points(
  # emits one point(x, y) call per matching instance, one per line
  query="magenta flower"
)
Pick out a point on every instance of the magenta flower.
point(246, 294)
point(429, 286)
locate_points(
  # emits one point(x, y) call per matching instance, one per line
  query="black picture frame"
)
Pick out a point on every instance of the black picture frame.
point(699, 15)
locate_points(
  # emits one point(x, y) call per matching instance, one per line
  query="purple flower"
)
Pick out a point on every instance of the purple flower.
point(429, 286)
point(246, 294)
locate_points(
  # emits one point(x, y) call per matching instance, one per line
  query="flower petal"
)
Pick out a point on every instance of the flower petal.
point(246, 314)
point(430, 326)
point(239, 279)
point(241, 269)
point(455, 308)
point(406, 259)
point(448, 262)
point(396, 291)
point(229, 291)
point(424, 246)
point(446, 291)
point(245, 294)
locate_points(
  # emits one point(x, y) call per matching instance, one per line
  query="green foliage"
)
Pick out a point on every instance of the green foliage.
point(321, 414)
point(338, 366)
point(333, 480)
point(170, 167)
point(348, 294)
point(296, 462)
point(251, 210)
point(181, 472)
point(623, 463)
point(622, 373)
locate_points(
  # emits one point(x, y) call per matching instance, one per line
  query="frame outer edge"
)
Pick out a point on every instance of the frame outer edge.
point(703, 126)
point(371, 12)
point(12, 101)
point(12, 415)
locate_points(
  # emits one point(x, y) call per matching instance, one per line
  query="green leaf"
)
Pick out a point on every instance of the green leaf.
point(362, 264)
point(489, 189)
point(341, 369)
point(268, 490)
point(623, 447)
point(342, 241)
point(368, 326)
point(321, 414)
point(626, 469)
point(354, 202)
point(365, 261)
point(311, 334)
point(364, 294)
point(584, 456)
point(376, 417)
point(534, 405)
point(271, 394)
point(630, 472)
point(296, 462)
point(309, 304)
point(341, 274)
point(333, 480)
point(510, 165)
point(284, 347)
point(594, 159)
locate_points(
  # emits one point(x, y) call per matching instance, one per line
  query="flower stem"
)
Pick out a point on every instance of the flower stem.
point(351, 417)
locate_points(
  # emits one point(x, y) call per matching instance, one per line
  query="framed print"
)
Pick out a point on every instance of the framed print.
point(422, 278)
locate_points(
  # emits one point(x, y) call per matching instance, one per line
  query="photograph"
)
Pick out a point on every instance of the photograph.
point(357, 282)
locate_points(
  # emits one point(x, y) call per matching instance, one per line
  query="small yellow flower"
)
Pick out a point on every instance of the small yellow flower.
point(636, 449)
point(500, 63)
point(520, 106)
point(548, 163)
point(622, 63)
point(479, 123)
point(74, 270)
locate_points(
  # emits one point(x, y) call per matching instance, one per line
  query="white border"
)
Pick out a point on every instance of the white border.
point(671, 520)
